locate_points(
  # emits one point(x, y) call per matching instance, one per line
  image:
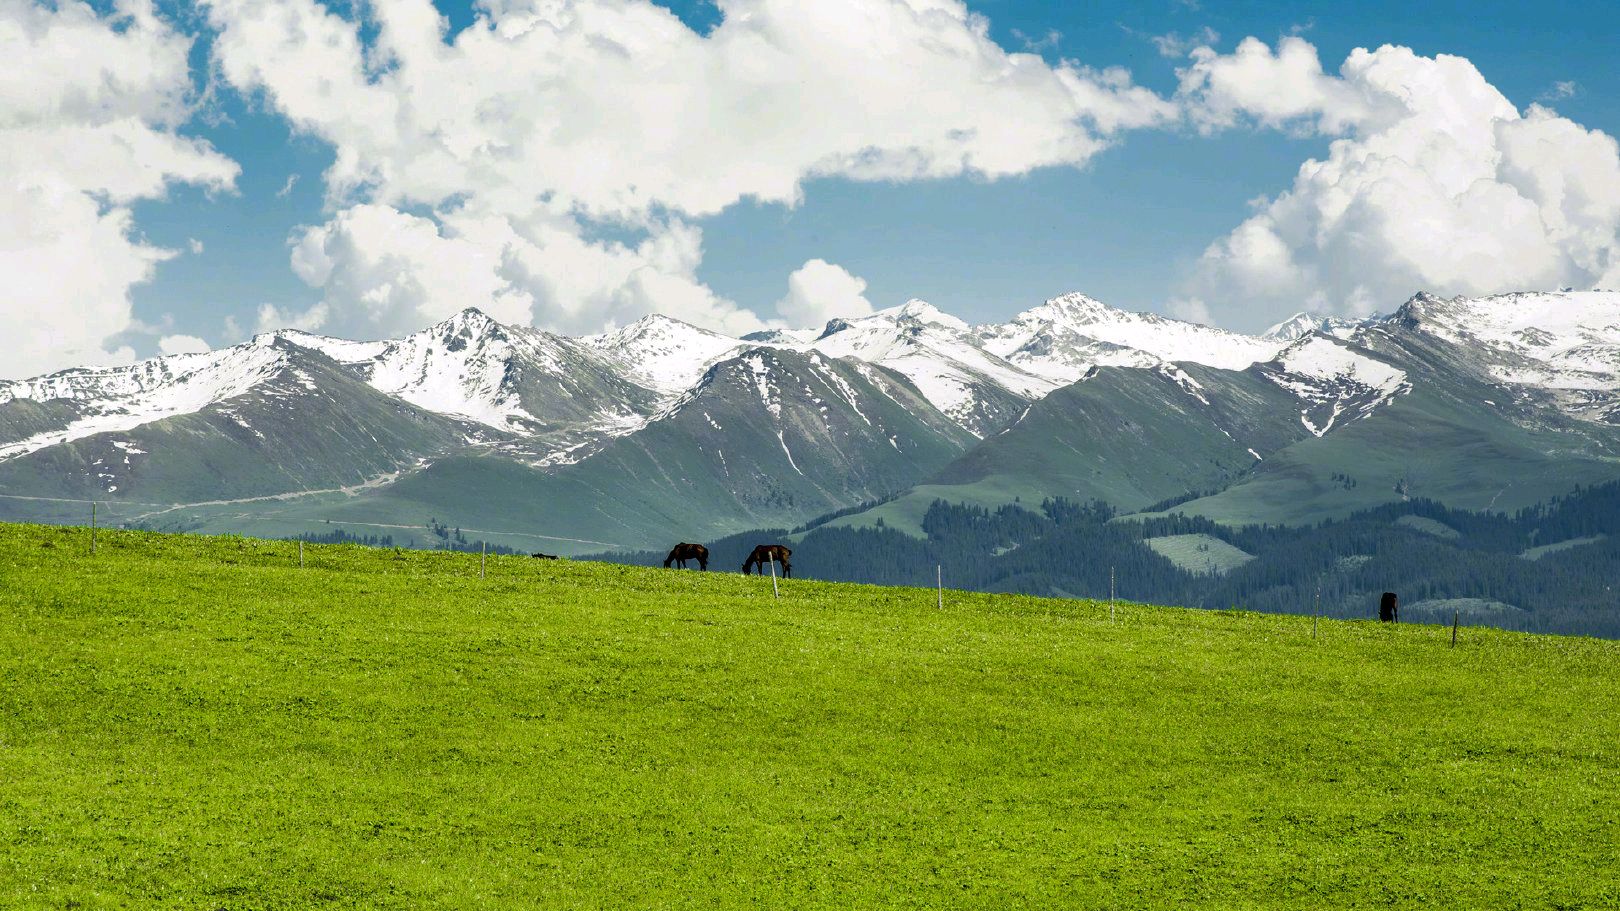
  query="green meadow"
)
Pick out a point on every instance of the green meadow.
point(192, 722)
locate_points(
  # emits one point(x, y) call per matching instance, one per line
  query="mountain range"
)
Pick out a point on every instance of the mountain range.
point(660, 431)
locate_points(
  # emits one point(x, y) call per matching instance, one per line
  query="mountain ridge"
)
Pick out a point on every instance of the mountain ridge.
point(683, 431)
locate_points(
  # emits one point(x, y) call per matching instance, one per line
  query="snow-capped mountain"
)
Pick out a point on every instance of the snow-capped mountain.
point(1333, 381)
point(86, 402)
point(663, 354)
point(1565, 345)
point(944, 357)
point(642, 431)
point(1066, 336)
point(981, 375)
point(1302, 324)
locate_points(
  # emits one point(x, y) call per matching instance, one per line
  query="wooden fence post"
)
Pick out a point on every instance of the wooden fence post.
point(482, 557)
point(1110, 594)
point(1316, 611)
point(300, 553)
point(92, 526)
point(939, 585)
point(774, 590)
point(1454, 629)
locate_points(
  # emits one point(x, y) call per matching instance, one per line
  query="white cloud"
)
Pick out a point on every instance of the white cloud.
point(194, 245)
point(88, 108)
point(182, 344)
point(1174, 44)
point(394, 272)
point(819, 291)
point(270, 317)
point(1560, 90)
point(545, 122)
point(287, 188)
point(1437, 183)
point(1280, 88)
point(1191, 309)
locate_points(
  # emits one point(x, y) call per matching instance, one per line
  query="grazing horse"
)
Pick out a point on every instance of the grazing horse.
point(545, 556)
point(684, 551)
point(769, 553)
point(1389, 608)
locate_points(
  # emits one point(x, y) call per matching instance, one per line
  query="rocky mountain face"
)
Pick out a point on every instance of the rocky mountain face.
point(660, 429)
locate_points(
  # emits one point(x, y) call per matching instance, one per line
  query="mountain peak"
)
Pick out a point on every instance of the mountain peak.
point(1071, 309)
point(1297, 326)
point(921, 311)
point(468, 317)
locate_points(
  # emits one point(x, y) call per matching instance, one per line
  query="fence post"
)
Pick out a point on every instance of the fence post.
point(483, 556)
point(1317, 610)
point(1454, 629)
point(774, 590)
point(300, 553)
point(1110, 594)
point(92, 526)
point(939, 584)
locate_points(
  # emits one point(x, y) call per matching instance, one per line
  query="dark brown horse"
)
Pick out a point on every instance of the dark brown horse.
point(769, 553)
point(684, 551)
point(1389, 608)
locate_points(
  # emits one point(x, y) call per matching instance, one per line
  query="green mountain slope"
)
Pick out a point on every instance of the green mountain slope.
point(1128, 437)
point(1457, 438)
point(766, 437)
point(309, 425)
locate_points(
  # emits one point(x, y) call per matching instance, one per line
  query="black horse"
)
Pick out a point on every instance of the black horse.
point(1389, 608)
point(769, 553)
point(545, 556)
point(684, 551)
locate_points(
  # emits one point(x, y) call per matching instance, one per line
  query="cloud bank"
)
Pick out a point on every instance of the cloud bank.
point(1435, 182)
point(89, 107)
point(486, 169)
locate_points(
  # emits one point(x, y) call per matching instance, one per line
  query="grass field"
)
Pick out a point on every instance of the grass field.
point(199, 723)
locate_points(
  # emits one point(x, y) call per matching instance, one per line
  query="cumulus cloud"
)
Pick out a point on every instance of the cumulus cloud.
point(1435, 182)
point(545, 126)
point(89, 104)
point(388, 272)
point(182, 344)
point(819, 291)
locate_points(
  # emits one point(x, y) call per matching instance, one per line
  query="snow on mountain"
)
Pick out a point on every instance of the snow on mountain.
point(940, 354)
point(553, 394)
point(460, 367)
point(1065, 336)
point(664, 354)
point(513, 379)
point(1565, 344)
point(1302, 324)
point(784, 338)
point(1565, 339)
point(1333, 381)
point(122, 398)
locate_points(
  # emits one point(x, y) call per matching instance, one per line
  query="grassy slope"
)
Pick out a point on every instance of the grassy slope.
point(1125, 436)
point(1199, 553)
point(1536, 553)
point(194, 722)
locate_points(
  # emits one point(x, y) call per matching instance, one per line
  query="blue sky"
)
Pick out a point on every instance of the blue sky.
point(1127, 225)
